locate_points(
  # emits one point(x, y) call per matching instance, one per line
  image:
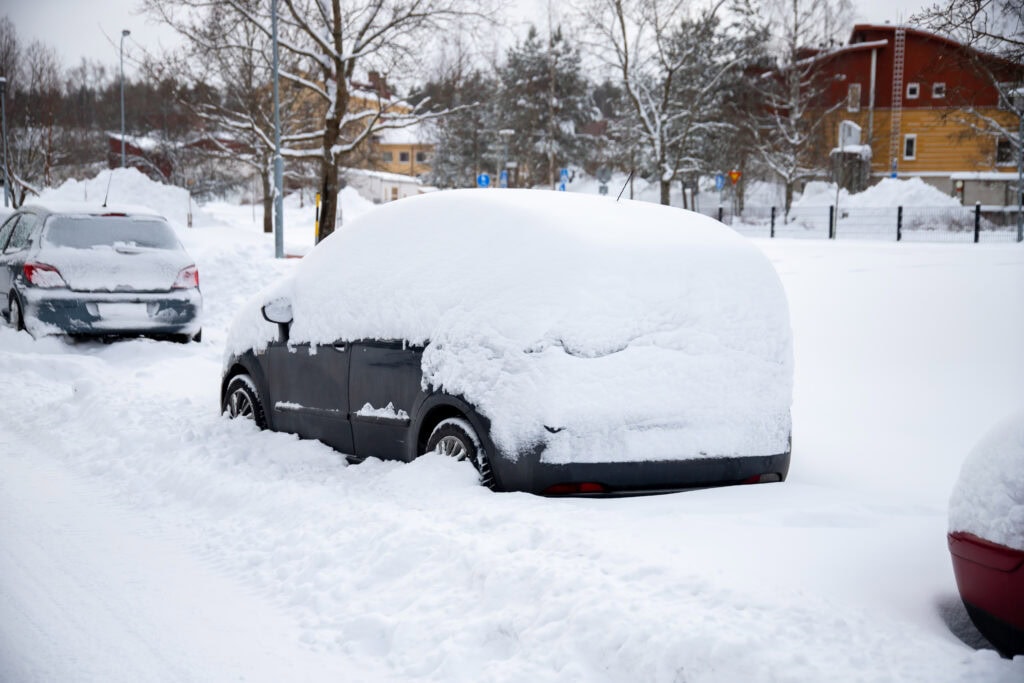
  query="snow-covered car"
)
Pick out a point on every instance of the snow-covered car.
point(986, 535)
point(565, 344)
point(88, 270)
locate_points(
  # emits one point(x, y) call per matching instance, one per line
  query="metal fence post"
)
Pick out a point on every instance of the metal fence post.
point(977, 221)
point(773, 223)
point(899, 223)
point(720, 214)
point(831, 222)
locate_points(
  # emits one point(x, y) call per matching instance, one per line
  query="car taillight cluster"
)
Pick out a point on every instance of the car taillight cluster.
point(187, 278)
point(43, 275)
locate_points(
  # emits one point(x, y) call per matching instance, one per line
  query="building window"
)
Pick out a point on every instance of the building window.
point(913, 91)
point(938, 91)
point(1005, 155)
point(421, 157)
point(853, 97)
point(387, 157)
point(909, 147)
point(403, 156)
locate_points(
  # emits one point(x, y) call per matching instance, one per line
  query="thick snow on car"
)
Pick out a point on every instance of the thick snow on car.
point(92, 270)
point(565, 344)
point(986, 535)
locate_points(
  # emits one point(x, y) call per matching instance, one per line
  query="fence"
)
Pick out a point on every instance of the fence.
point(900, 224)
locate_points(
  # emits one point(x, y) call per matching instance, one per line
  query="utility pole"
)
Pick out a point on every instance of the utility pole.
point(3, 114)
point(278, 163)
point(124, 34)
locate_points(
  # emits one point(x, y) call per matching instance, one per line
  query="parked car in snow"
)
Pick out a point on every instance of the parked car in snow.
point(89, 270)
point(564, 344)
point(986, 535)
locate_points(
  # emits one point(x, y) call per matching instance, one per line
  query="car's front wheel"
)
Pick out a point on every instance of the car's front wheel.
point(456, 438)
point(242, 400)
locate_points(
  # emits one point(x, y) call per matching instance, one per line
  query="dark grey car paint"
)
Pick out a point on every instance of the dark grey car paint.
point(380, 372)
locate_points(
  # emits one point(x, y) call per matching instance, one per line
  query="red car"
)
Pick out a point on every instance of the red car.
point(986, 535)
point(990, 578)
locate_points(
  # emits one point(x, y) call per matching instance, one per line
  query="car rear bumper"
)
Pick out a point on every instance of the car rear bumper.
point(626, 478)
point(49, 311)
point(990, 578)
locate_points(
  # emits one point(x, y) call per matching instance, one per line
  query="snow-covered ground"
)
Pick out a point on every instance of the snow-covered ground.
point(144, 537)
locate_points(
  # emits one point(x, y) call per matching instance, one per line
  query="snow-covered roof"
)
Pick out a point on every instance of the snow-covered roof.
point(381, 175)
point(985, 175)
point(88, 208)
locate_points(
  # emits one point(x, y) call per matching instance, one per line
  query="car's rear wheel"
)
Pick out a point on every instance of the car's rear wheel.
point(456, 438)
point(242, 400)
point(14, 315)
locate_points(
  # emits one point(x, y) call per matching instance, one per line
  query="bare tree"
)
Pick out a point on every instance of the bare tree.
point(673, 62)
point(327, 45)
point(788, 124)
point(994, 30)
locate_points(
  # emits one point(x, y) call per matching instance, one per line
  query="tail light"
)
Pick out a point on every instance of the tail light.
point(43, 275)
point(584, 487)
point(188, 278)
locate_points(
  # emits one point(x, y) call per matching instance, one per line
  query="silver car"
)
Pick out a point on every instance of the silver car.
point(74, 269)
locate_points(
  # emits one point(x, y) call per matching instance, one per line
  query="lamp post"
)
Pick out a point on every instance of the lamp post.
point(1018, 101)
point(3, 115)
point(278, 164)
point(124, 34)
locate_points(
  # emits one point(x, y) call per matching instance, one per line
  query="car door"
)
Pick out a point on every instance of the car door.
point(384, 385)
point(308, 388)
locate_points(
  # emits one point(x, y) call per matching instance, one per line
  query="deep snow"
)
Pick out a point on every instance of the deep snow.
point(147, 538)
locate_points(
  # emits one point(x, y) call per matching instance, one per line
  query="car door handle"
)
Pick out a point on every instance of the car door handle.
point(340, 346)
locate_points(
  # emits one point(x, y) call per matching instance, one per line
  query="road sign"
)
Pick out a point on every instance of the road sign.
point(561, 187)
point(503, 178)
point(719, 181)
point(564, 175)
point(735, 176)
point(483, 180)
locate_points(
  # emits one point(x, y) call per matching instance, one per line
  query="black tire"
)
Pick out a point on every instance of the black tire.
point(15, 317)
point(242, 400)
point(456, 438)
point(198, 336)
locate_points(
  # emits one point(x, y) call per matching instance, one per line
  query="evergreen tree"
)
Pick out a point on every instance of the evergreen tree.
point(544, 99)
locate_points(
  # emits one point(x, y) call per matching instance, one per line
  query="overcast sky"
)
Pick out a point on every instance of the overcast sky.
point(92, 28)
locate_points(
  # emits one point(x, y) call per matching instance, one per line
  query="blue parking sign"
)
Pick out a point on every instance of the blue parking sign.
point(503, 178)
point(483, 180)
point(719, 181)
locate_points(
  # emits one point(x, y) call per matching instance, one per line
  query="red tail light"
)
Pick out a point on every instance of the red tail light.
point(187, 278)
point(575, 489)
point(43, 275)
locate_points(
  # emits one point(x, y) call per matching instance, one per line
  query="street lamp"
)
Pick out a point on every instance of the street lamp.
point(505, 134)
point(278, 163)
point(124, 34)
point(1018, 104)
point(3, 115)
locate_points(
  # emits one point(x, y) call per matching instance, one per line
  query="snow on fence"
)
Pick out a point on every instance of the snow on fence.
point(898, 223)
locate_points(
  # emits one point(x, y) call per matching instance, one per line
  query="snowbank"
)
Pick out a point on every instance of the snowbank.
point(645, 332)
point(890, 192)
point(129, 186)
point(988, 499)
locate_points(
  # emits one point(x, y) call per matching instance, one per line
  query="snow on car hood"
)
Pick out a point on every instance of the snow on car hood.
point(988, 498)
point(562, 317)
point(109, 269)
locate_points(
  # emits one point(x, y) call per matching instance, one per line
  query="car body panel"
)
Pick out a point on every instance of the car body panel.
point(990, 578)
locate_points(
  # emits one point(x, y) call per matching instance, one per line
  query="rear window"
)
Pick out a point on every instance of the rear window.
point(87, 232)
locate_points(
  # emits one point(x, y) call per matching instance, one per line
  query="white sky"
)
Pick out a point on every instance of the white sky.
point(92, 28)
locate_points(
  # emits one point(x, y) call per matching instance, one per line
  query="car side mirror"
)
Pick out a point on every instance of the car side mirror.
point(278, 311)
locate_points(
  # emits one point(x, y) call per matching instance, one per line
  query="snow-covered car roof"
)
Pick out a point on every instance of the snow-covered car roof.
point(988, 498)
point(516, 290)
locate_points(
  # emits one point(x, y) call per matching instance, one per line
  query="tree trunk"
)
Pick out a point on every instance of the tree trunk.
point(665, 186)
point(789, 200)
point(268, 201)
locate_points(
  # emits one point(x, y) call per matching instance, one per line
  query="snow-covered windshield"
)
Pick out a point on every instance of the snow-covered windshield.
point(88, 232)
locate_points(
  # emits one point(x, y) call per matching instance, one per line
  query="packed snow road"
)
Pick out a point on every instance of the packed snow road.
point(144, 537)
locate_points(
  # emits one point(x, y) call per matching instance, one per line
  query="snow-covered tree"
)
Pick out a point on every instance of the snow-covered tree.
point(674, 62)
point(789, 121)
point(544, 100)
